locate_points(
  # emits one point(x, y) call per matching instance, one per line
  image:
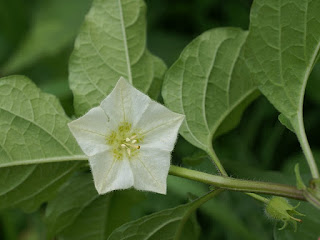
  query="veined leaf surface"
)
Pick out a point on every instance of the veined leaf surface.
point(283, 43)
point(282, 48)
point(166, 225)
point(79, 212)
point(211, 84)
point(33, 135)
point(111, 44)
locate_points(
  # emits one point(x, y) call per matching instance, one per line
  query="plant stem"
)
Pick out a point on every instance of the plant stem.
point(258, 197)
point(302, 137)
point(238, 184)
point(216, 161)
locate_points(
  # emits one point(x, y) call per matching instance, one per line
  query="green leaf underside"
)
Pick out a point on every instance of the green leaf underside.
point(77, 194)
point(33, 130)
point(285, 122)
point(111, 44)
point(78, 212)
point(307, 229)
point(91, 223)
point(282, 47)
point(30, 186)
point(53, 28)
point(208, 82)
point(97, 220)
point(165, 225)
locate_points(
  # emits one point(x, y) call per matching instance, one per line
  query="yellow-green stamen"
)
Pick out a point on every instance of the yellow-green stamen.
point(124, 140)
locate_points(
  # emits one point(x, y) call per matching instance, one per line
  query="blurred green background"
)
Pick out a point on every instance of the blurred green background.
point(36, 39)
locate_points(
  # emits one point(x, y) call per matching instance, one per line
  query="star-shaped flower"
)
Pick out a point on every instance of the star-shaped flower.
point(128, 139)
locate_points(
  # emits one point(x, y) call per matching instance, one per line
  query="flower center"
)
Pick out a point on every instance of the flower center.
point(124, 140)
point(130, 143)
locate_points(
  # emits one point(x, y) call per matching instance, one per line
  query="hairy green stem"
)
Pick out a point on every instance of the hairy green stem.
point(217, 162)
point(238, 184)
point(302, 137)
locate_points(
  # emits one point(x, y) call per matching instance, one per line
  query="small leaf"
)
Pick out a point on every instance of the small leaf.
point(164, 225)
point(53, 28)
point(33, 132)
point(210, 84)
point(79, 212)
point(111, 44)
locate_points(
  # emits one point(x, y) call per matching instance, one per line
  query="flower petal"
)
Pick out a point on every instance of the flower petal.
point(90, 131)
point(150, 170)
point(110, 174)
point(125, 103)
point(159, 126)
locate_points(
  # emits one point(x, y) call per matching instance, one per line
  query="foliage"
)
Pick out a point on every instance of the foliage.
point(232, 85)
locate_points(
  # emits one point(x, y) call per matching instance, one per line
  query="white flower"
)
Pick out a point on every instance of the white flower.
point(128, 139)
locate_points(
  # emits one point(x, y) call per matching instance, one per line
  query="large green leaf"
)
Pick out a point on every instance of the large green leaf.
point(54, 27)
point(210, 84)
point(282, 51)
point(79, 212)
point(282, 48)
point(307, 229)
point(165, 225)
point(283, 44)
point(111, 43)
point(33, 134)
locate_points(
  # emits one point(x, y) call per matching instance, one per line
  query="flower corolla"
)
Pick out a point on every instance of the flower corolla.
point(128, 139)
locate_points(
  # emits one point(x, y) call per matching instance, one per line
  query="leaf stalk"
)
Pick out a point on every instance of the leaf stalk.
point(302, 137)
point(217, 162)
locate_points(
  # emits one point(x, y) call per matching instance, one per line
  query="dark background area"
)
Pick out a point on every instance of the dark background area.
point(259, 148)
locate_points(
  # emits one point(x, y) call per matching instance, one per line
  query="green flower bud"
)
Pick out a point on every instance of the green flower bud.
point(280, 209)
